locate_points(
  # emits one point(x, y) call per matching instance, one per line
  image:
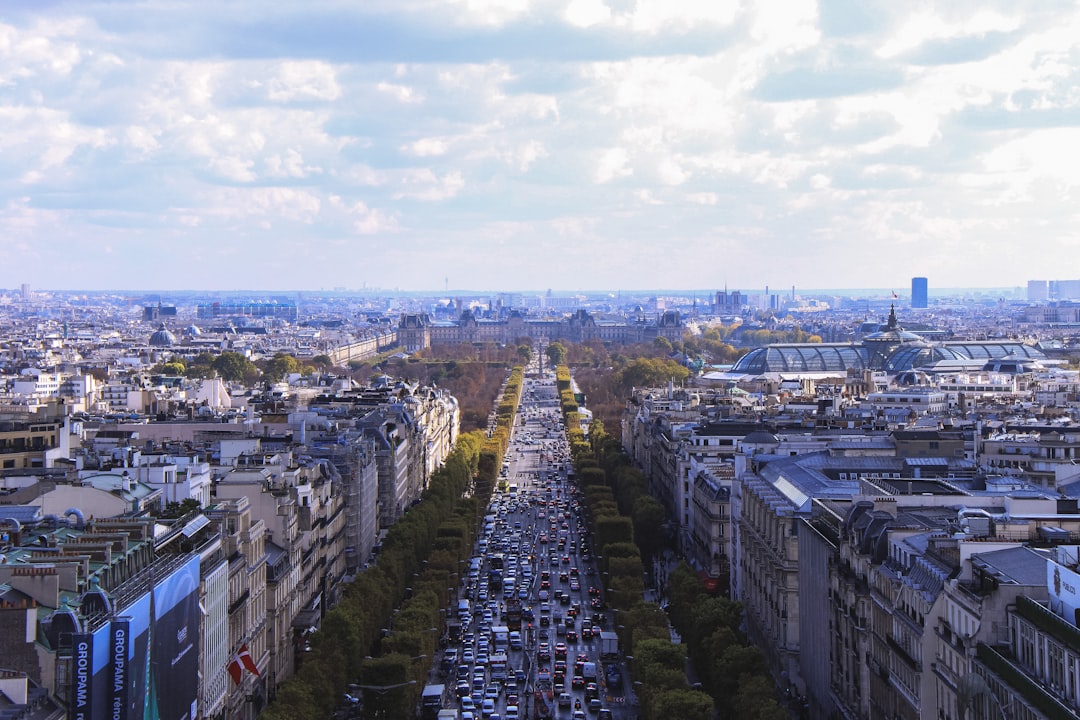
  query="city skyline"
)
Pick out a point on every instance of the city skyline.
point(563, 144)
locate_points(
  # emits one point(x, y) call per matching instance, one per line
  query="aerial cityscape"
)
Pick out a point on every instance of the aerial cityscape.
point(724, 504)
point(539, 360)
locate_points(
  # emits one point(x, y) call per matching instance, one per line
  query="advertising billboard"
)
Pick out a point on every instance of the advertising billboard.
point(1064, 587)
point(138, 614)
point(119, 656)
point(91, 674)
point(143, 664)
point(175, 644)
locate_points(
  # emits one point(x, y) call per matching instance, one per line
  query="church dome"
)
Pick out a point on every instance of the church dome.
point(162, 337)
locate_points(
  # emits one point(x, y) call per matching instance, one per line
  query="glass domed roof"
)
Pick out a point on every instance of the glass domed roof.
point(808, 357)
point(908, 357)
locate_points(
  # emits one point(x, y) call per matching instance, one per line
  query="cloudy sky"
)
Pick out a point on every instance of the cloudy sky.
point(534, 144)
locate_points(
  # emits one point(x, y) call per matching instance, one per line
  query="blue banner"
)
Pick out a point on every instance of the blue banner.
point(82, 676)
point(120, 649)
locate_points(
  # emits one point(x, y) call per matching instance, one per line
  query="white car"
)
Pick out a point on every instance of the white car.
point(488, 708)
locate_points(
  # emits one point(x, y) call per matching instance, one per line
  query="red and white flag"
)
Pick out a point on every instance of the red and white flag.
point(236, 670)
point(241, 661)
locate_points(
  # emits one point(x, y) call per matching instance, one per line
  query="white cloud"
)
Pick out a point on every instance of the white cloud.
point(613, 164)
point(401, 93)
point(929, 24)
point(368, 221)
point(265, 204)
point(309, 80)
point(554, 120)
point(657, 15)
point(490, 12)
point(524, 155)
point(671, 173)
point(38, 143)
point(1050, 155)
point(426, 185)
point(142, 139)
point(703, 198)
point(427, 147)
point(586, 13)
point(289, 164)
point(44, 50)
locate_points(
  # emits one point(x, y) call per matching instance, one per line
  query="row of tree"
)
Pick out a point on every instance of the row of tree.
point(474, 383)
point(733, 671)
point(520, 351)
point(658, 666)
point(383, 634)
point(235, 367)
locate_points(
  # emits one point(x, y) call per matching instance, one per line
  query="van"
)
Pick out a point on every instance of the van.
point(449, 660)
point(464, 610)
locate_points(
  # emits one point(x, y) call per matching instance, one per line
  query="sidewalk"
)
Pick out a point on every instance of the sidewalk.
point(661, 570)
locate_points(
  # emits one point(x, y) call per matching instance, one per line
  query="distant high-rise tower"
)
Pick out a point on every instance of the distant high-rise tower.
point(1038, 291)
point(26, 292)
point(1068, 289)
point(918, 293)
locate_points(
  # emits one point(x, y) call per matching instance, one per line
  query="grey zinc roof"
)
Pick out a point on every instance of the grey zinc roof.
point(24, 514)
point(799, 480)
point(1017, 566)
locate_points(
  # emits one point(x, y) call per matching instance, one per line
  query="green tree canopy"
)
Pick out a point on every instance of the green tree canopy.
point(279, 366)
point(756, 699)
point(233, 366)
point(649, 518)
point(683, 704)
point(556, 353)
point(649, 372)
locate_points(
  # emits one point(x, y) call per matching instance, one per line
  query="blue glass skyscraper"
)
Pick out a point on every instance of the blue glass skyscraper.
point(918, 293)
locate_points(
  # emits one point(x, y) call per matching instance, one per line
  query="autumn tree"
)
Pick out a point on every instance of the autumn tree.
point(173, 367)
point(650, 372)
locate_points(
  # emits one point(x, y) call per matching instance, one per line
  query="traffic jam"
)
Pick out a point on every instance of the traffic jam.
point(530, 637)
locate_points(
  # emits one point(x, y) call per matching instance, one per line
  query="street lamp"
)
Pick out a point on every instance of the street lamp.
point(383, 689)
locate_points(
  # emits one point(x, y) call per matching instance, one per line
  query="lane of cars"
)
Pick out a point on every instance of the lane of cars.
point(532, 619)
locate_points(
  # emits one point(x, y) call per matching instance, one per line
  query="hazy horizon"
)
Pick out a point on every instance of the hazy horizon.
point(703, 293)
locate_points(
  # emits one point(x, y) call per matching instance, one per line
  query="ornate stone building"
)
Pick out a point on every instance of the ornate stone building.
point(417, 331)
